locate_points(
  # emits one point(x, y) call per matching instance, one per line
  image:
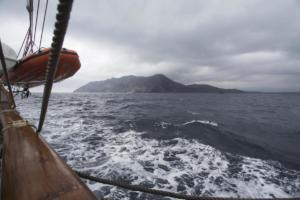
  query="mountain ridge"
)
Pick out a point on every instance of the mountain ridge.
point(157, 83)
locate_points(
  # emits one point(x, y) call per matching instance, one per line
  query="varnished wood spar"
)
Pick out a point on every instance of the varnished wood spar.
point(32, 170)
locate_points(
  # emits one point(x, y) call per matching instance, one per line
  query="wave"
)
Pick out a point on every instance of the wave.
point(201, 122)
point(165, 125)
point(180, 165)
point(193, 112)
point(206, 132)
point(187, 154)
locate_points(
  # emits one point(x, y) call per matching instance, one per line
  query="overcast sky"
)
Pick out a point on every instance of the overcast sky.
point(249, 45)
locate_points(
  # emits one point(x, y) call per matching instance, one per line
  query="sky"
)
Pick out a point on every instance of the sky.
point(249, 45)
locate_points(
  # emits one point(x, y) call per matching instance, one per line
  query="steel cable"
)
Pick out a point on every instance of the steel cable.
point(36, 20)
point(44, 19)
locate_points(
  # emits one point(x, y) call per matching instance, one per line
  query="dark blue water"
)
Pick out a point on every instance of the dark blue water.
point(234, 145)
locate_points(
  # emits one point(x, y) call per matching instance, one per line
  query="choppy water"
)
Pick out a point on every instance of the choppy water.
point(230, 145)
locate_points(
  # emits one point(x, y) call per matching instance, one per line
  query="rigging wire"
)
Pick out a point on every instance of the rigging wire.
point(62, 19)
point(23, 43)
point(31, 34)
point(30, 10)
point(45, 13)
point(36, 19)
point(29, 42)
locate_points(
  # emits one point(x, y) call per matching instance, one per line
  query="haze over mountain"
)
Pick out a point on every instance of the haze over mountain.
point(158, 83)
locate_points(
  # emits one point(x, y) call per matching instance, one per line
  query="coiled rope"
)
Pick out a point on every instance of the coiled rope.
point(62, 19)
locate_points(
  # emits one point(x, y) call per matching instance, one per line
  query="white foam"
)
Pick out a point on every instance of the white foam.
point(165, 124)
point(202, 122)
point(127, 152)
point(193, 113)
point(95, 148)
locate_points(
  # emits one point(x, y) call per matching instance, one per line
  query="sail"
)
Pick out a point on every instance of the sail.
point(10, 57)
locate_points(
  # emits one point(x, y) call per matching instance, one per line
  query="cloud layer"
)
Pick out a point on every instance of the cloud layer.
point(251, 45)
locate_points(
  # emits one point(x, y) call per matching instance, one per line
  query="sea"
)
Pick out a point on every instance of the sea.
point(217, 145)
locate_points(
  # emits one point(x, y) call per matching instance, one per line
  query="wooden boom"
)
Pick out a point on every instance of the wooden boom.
point(31, 170)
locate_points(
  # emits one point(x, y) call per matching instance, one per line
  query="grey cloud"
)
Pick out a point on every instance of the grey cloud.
point(200, 41)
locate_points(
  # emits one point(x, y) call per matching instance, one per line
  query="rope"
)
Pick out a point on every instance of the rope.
point(45, 13)
point(3, 63)
point(140, 188)
point(62, 18)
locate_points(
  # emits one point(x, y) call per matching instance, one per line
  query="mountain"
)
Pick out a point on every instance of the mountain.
point(157, 83)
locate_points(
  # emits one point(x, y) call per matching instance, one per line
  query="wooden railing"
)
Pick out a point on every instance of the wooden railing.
point(31, 169)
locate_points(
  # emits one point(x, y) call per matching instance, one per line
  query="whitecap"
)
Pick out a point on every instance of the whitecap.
point(200, 121)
